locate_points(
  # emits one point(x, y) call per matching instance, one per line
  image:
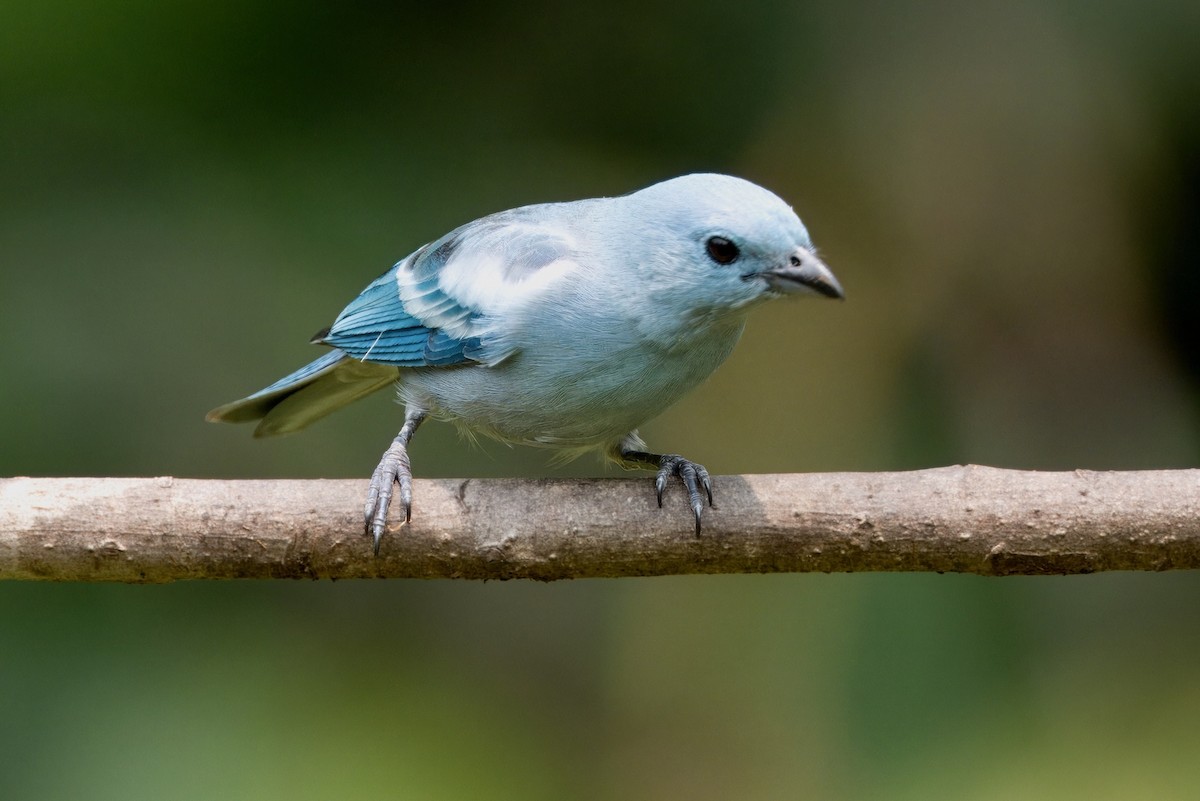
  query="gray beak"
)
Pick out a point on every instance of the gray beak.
point(804, 273)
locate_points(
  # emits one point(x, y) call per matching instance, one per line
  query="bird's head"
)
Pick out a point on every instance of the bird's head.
point(725, 242)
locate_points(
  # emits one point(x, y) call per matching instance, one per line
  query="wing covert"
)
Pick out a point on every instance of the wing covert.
point(441, 305)
point(378, 326)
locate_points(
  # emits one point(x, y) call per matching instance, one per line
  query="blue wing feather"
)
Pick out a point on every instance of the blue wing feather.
point(380, 326)
point(301, 376)
point(376, 326)
point(426, 311)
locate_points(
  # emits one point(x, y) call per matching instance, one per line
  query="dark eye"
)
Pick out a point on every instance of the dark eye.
point(721, 250)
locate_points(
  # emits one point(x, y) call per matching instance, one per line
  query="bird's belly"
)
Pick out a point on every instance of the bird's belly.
point(563, 399)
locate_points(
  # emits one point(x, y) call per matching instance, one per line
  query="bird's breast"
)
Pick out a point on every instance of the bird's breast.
point(579, 389)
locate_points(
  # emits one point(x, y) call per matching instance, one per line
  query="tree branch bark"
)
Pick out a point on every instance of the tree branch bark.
point(953, 519)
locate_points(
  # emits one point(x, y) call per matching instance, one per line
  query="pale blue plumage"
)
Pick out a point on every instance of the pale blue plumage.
point(561, 325)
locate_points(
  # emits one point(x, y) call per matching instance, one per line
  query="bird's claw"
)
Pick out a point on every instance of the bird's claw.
point(393, 470)
point(693, 476)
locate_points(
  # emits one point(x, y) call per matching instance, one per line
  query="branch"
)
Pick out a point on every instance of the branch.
point(954, 519)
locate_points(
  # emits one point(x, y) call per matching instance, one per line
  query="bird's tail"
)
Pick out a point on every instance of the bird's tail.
point(307, 395)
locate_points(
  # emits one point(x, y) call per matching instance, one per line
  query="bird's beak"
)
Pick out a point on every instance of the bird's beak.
point(803, 273)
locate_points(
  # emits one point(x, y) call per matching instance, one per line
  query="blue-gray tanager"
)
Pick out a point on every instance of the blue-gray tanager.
point(560, 325)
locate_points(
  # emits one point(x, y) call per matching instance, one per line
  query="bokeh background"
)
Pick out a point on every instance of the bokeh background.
point(1009, 191)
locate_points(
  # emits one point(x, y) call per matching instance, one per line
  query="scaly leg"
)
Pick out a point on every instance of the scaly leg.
point(394, 468)
point(693, 475)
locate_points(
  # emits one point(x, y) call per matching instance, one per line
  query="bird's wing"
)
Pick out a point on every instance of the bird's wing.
point(446, 304)
point(378, 327)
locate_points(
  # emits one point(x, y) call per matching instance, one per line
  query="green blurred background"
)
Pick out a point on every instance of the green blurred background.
point(1009, 191)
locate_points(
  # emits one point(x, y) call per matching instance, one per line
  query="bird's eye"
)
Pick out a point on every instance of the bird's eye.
point(721, 250)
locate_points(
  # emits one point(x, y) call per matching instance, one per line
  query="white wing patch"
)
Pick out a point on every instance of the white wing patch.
point(467, 282)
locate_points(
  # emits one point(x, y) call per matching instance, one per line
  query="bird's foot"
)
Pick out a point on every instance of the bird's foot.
point(394, 469)
point(693, 476)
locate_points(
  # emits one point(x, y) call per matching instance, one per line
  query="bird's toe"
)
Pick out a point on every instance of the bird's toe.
point(695, 478)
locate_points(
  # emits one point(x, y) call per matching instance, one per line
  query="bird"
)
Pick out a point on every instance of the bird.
point(560, 325)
